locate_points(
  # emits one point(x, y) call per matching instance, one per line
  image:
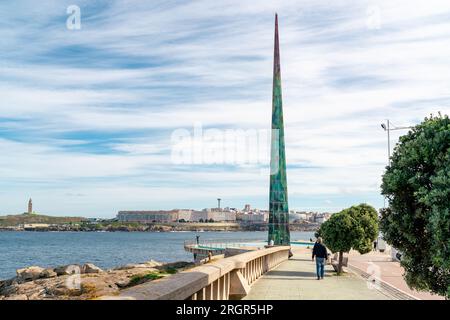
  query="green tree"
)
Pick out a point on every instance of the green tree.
point(367, 220)
point(353, 228)
point(417, 222)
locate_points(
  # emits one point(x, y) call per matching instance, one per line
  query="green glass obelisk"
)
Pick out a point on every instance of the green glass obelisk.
point(278, 205)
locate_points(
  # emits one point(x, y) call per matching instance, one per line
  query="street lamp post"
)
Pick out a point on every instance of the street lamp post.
point(388, 128)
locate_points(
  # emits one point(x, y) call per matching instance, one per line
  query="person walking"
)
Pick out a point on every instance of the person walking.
point(320, 253)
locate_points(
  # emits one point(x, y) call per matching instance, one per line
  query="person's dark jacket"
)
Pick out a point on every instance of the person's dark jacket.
point(319, 251)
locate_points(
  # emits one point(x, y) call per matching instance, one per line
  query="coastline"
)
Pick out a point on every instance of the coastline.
point(156, 227)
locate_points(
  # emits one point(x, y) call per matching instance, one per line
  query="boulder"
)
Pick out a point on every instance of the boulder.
point(90, 268)
point(123, 283)
point(4, 284)
point(68, 270)
point(48, 273)
point(10, 288)
point(29, 274)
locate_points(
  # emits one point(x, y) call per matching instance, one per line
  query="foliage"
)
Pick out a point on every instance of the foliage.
point(339, 232)
point(353, 228)
point(366, 218)
point(417, 222)
point(141, 278)
point(171, 270)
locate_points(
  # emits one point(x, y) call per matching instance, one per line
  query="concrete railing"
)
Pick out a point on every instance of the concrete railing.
point(228, 278)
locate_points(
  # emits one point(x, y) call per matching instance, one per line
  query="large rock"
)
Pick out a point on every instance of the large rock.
point(9, 287)
point(123, 282)
point(68, 270)
point(29, 274)
point(48, 273)
point(4, 284)
point(90, 268)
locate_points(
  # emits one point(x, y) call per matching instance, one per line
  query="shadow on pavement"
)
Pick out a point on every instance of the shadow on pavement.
point(295, 274)
point(297, 259)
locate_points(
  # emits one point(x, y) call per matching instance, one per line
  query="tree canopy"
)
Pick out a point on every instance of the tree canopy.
point(353, 228)
point(417, 222)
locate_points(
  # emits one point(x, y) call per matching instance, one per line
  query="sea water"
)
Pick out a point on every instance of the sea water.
point(108, 249)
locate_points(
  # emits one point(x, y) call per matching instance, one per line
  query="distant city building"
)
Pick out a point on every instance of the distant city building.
point(302, 216)
point(321, 217)
point(30, 206)
point(247, 215)
point(255, 217)
point(180, 215)
point(314, 217)
point(147, 216)
point(213, 215)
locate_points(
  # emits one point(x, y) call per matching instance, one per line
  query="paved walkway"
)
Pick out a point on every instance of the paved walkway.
point(296, 279)
point(379, 265)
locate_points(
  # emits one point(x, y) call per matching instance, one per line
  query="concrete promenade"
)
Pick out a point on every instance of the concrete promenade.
point(387, 271)
point(296, 279)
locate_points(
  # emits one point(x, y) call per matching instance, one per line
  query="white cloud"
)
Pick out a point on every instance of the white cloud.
point(136, 72)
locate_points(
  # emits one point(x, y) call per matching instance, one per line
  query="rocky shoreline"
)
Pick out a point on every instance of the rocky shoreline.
point(83, 282)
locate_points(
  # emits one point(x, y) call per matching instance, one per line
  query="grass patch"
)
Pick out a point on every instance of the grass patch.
point(153, 275)
point(141, 278)
point(170, 270)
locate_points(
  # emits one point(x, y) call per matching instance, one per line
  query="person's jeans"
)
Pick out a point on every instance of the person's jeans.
point(320, 267)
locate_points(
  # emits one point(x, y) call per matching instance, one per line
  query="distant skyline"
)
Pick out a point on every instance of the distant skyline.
point(86, 116)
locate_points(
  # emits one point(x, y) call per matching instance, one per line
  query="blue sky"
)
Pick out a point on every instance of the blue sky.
point(86, 116)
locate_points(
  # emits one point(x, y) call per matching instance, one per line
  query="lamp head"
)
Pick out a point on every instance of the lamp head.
point(383, 126)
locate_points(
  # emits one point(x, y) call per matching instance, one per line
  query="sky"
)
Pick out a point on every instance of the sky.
point(90, 102)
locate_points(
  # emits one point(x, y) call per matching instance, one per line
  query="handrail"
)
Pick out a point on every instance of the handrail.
point(220, 279)
point(236, 242)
